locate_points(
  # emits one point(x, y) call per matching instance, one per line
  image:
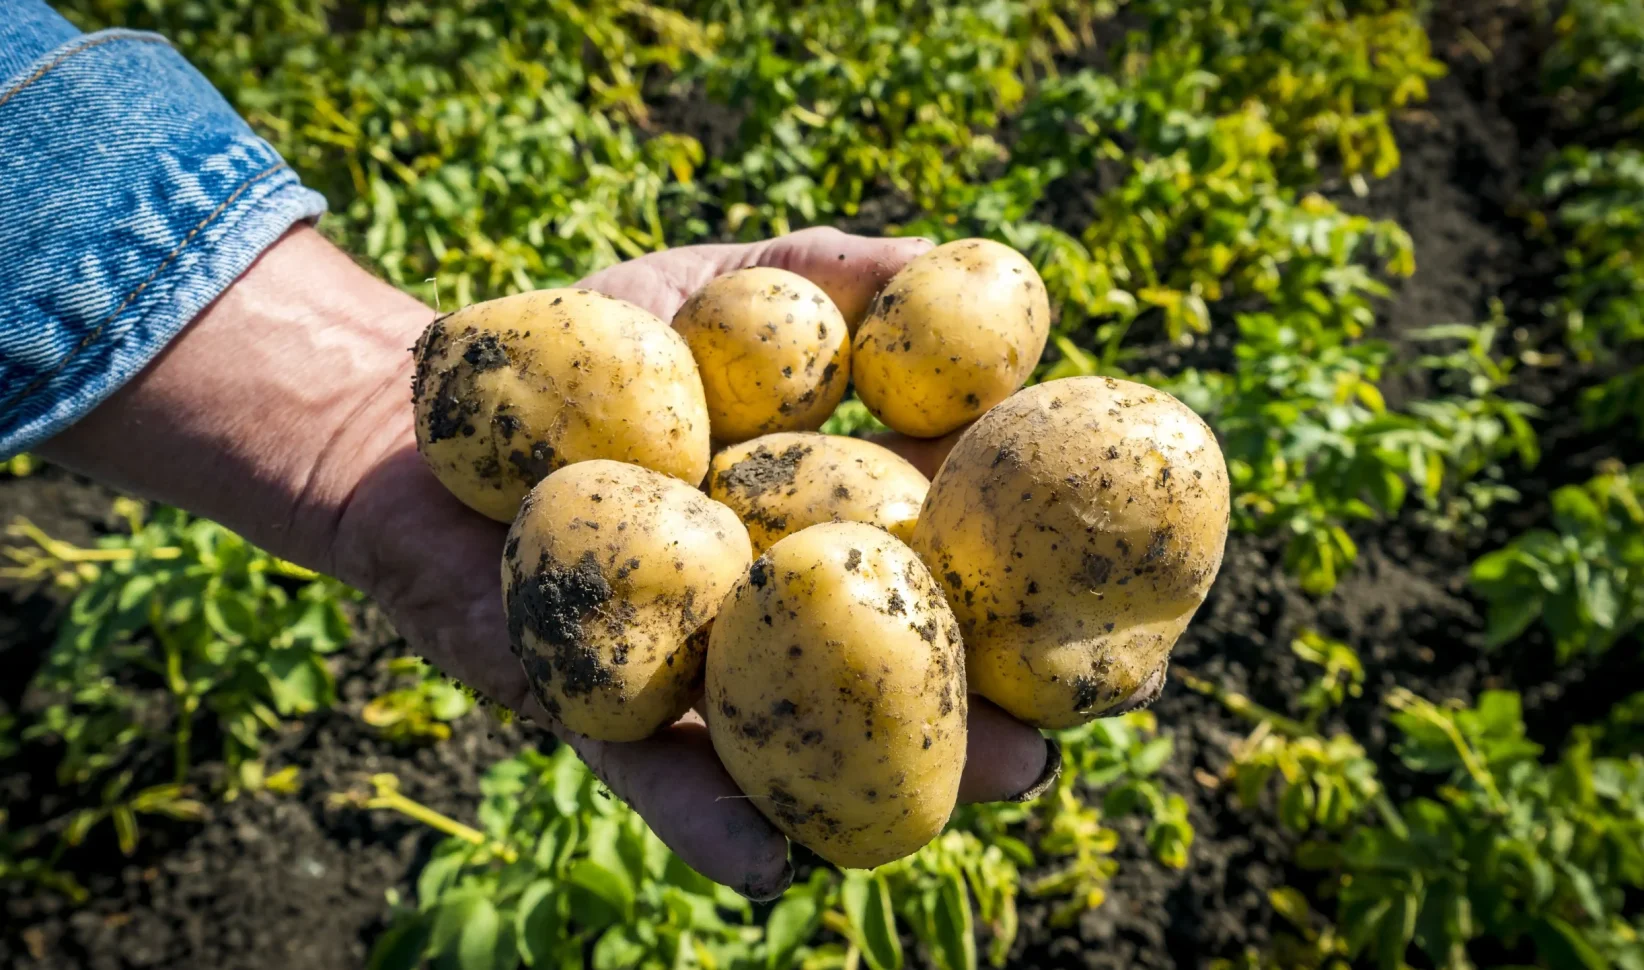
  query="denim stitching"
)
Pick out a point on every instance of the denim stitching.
point(86, 341)
point(47, 67)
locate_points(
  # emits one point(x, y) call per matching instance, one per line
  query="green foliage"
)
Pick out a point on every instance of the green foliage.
point(852, 417)
point(477, 148)
point(1621, 398)
point(230, 633)
point(1583, 579)
point(1312, 446)
point(1320, 782)
point(1595, 66)
point(561, 874)
point(1595, 201)
point(1524, 854)
point(1120, 757)
point(421, 712)
point(559, 871)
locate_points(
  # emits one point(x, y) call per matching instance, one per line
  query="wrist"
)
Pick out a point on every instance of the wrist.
point(267, 411)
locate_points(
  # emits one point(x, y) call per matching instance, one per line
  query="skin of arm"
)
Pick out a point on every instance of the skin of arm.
point(283, 412)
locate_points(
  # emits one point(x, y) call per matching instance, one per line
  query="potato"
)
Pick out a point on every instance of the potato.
point(611, 578)
point(1076, 528)
point(508, 390)
point(836, 694)
point(781, 483)
point(955, 332)
point(773, 350)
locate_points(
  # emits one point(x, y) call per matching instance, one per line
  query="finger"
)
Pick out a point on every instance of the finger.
point(850, 269)
point(675, 781)
point(1005, 760)
point(926, 454)
point(661, 282)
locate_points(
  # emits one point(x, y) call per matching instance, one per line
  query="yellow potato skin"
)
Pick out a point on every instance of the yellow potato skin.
point(773, 350)
point(781, 483)
point(611, 578)
point(836, 694)
point(509, 390)
point(1076, 529)
point(955, 332)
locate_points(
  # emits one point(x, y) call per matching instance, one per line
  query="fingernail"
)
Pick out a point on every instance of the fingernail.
point(766, 895)
point(1150, 690)
point(1047, 778)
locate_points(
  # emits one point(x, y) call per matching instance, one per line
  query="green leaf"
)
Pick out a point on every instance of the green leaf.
point(1509, 618)
point(477, 942)
point(791, 923)
point(402, 946)
point(955, 943)
point(320, 626)
point(450, 920)
point(618, 950)
point(609, 890)
point(537, 923)
point(872, 923)
point(1501, 713)
point(1152, 756)
point(125, 828)
point(1296, 805)
point(1602, 602)
point(134, 593)
point(1292, 905)
point(298, 681)
point(1398, 927)
point(1562, 945)
point(439, 875)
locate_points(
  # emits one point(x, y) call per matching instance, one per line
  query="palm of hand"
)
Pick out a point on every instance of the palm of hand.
point(434, 566)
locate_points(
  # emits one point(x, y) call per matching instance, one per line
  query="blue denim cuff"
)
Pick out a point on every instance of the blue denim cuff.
point(131, 196)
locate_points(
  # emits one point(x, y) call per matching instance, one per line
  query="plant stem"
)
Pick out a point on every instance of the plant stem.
point(1403, 700)
point(390, 798)
point(189, 703)
point(1245, 707)
point(67, 552)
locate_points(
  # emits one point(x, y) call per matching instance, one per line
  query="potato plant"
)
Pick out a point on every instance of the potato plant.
point(1580, 580)
point(234, 639)
point(421, 712)
point(557, 871)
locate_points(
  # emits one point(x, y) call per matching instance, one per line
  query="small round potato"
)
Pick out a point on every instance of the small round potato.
point(508, 390)
point(1076, 529)
point(955, 332)
point(781, 483)
point(836, 694)
point(611, 578)
point(773, 350)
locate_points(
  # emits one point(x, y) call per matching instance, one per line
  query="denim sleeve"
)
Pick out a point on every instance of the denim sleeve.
point(131, 196)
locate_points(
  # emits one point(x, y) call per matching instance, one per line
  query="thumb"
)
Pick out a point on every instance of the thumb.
point(850, 269)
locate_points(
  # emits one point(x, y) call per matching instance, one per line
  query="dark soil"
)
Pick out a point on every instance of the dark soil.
point(295, 881)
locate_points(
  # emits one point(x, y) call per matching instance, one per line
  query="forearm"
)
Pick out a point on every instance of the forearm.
point(134, 198)
point(260, 412)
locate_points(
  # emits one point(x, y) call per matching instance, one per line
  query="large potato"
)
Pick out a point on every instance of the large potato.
point(836, 694)
point(955, 332)
point(781, 483)
point(1076, 529)
point(773, 350)
point(508, 390)
point(611, 577)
